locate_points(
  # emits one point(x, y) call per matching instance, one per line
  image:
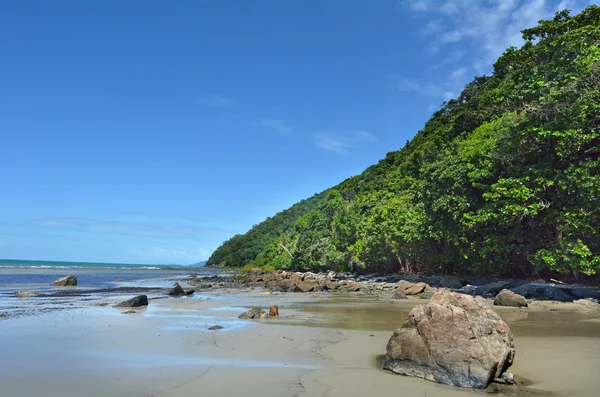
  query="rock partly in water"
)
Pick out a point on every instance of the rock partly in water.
point(452, 282)
point(67, 281)
point(274, 311)
point(176, 290)
point(455, 339)
point(509, 298)
point(140, 300)
point(399, 295)
point(119, 280)
point(190, 292)
point(253, 314)
point(215, 328)
point(27, 294)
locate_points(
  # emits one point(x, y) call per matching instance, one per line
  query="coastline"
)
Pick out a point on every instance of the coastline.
point(324, 343)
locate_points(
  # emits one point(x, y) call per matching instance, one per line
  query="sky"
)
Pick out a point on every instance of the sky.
point(152, 131)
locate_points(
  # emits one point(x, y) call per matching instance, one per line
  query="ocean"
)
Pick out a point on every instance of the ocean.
point(95, 281)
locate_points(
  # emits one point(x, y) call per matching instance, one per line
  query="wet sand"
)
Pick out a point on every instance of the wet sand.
point(322, 345)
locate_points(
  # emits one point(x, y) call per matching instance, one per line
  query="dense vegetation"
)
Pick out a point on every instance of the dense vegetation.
point(503, 179)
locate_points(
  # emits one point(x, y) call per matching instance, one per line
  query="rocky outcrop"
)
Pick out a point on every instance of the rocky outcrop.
point(423, 286)
point(176, 290)
point(454, 339)
point(67, 281)
point(253, 314)
point(451, 282)
point(509, 298)
point(140, 300)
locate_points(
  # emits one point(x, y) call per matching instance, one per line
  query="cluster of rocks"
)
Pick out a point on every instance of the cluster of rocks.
point(399, 285)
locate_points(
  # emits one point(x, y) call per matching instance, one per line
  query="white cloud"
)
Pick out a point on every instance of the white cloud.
point(218, 101)
point(466, 37)
point(277, 125)
point(342, 142)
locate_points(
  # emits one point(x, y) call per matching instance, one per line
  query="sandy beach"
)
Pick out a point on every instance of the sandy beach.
point(323, 344)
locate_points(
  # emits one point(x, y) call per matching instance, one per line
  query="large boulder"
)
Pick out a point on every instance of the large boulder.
point(452, 282)
point(253, 314)
point(67, 281)
point(176, 290)
point(509, 298)
point(454, 339)
point(140, 300)
point(408, 288)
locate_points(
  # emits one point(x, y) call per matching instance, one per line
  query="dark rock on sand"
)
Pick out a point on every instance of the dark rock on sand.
point(585, 293)
point(190, 292)
point(399, 295)
point(509, 298)
point(274, 311)
point(67, 281)
point(253, 314)
point(557, 294)
point(455, 339)
point(140, 300)
point(452, 282)
point(215, 328)
point(177, 290)
point(27, 294)
point(129, 312)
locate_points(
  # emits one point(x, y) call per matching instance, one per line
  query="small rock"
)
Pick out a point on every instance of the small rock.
point(266, 292)
point(67, 281)
point(119, 280)
point(215, 327)
point(399, 295)
point(274, 311)
point(253, 314)
point(140, 300)
point(177, 290)
point(27, 294)
point(190, 292)
point(509, 298)
point(129, 312)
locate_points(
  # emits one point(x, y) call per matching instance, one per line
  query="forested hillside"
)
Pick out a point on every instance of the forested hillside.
point(504, 179)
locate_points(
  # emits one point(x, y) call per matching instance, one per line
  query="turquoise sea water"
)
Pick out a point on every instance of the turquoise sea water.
point(94, 281)
point(16, 274)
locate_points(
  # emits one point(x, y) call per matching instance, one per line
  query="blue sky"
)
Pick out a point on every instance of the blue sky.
point(152, 131)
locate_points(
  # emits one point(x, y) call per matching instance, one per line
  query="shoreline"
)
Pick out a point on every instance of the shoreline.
point(325, 343)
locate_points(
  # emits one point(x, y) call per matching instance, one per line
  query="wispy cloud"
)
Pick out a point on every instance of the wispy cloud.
point(170, 254)
point(218, 101)
point(342, 142)
point(277, 125)
point(464, 37)
point(431, 90)
point(486, 27)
